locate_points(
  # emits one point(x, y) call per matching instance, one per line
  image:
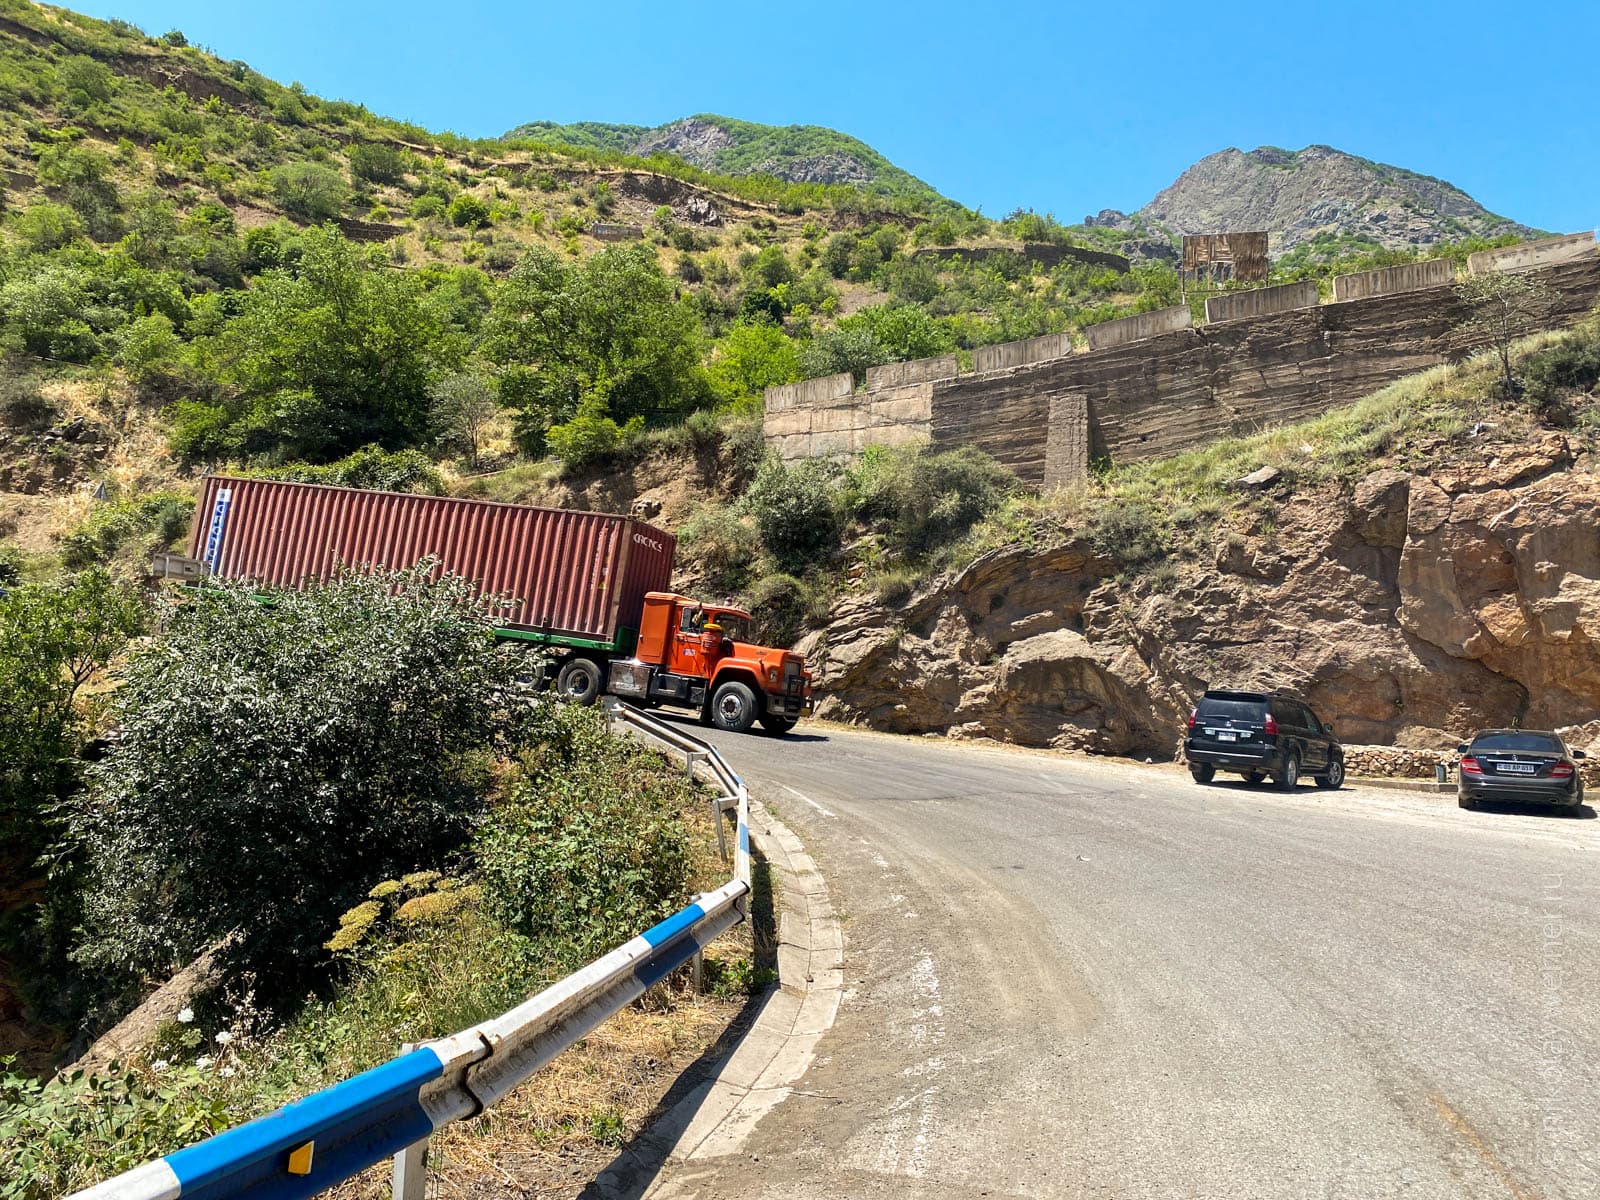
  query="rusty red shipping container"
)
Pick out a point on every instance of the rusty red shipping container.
point(570, 574)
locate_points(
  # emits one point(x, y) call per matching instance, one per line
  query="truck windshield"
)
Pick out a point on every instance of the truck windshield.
point(734, 628)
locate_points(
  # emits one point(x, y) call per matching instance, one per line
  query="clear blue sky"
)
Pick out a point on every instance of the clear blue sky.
point(1068, 108)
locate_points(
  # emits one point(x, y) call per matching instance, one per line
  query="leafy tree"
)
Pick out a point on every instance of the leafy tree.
point(330, 356)
point(851, 348)
point(463, 405)
point(377, 162)
point(310, 190)
point(43, 227)
point(85, 80)
point(53, 640)
point(904, 331)
point(277, 760)
point(591, 435)
point(610, 325)
point(751, 358)
point(1502, 307)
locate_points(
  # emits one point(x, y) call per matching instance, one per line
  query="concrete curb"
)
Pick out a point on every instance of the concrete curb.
point(1399, 785)
point(715, 1118)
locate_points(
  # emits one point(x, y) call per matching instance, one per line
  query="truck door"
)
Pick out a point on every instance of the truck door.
point(686, 656)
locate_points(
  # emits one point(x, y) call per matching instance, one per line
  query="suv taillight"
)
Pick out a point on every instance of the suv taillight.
point(1562, 770)
point(1193, 713)
point(1469, 766)
point(1271, 727)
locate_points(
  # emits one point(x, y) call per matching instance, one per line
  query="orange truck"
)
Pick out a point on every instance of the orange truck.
point(587, 593)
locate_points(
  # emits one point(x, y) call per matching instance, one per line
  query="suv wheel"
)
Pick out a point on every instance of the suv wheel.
point(1202, 772)
point(1254, 776)
point(1289, 777)
point(1333, 777)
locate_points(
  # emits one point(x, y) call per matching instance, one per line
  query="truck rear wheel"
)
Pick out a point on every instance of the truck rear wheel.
point(775, 725)
point(733, 707)
point(578, 681)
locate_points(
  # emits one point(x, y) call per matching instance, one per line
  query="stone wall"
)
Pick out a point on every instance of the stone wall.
point(1532, 254)
point(1408, 277)
point(615, 233)
point(1258, 302)
point(1138, 327)
point(1017, 354)
point(1156, 397)
point(826, 417)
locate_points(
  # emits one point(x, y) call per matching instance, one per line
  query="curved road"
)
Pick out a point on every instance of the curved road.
point(1084, 979)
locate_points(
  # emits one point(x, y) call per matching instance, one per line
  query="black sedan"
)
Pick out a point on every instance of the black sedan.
point(1519, 764)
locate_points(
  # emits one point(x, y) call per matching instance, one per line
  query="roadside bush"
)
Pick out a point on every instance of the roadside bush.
point(1130, 533)
point(589, 437)
point(377, 162)
point(717, 541)
point(779, 607)
point(922, 501)
point(794, 511)
point(149, 523)
point(1570, 367)
point(468, 212)
point(277, 760)
point(370, 467)
point(590, 848)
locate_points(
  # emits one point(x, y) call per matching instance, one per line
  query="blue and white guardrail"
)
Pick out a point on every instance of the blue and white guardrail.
point(308, 1146)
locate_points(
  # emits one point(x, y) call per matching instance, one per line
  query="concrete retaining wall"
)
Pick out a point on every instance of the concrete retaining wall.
point(918, 370)
point(1258, 302)
point(1408, 277)
point(616, 233)
point(1139, 327)
point(1532, 254)
point(1153, 398)
point(1017, 354)
point(810, 392)
point(836, 421)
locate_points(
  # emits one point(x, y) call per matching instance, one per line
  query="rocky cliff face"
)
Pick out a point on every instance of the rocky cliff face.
point(1300, 194)
point(1411, 611)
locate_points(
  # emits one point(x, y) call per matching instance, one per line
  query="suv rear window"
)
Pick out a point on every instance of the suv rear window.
point(1533, 743)
point(1239, 710)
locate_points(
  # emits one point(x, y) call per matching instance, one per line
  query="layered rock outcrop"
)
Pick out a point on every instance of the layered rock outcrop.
point(1409, 612)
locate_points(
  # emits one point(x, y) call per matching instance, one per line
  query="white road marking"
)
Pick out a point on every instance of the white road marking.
point(825, 812)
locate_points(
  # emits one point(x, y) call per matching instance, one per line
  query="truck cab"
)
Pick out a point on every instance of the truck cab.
point(700, 656)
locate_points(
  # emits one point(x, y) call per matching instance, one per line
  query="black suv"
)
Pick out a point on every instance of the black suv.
point(1258, 734)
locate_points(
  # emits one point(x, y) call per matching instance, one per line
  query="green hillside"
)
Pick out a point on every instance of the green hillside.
point(794, 153)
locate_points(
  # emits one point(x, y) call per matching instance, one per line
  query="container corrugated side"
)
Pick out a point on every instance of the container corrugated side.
point(572, 574)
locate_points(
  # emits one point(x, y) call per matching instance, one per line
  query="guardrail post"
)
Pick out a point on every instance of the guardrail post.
point(692, 760)
point(411, 1172)
point(722, 834)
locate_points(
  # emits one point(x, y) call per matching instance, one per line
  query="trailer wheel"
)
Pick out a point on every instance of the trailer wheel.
point(733, 707)
point(578, 681)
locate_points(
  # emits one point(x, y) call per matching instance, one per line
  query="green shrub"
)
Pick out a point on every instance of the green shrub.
point(339, 732)
point(779, 607)
point(428, 205)
point(468, 212)
point(589, 437)
point(1570, 367)
point(794, 511)
point(23, 404)
point(155, 522)
point(377, 162)
point(1129, 533)
point(590, 848)
point(922, 500)
point(370, 467)
point(720, 544)
point(309, 190)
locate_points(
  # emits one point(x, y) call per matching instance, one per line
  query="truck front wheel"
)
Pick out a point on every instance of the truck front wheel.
point(578, 681)
point(733, 707)
point(775, 725)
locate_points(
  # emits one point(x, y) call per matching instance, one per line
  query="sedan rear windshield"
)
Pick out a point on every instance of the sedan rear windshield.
point(1240, 710)
point(1532, 743)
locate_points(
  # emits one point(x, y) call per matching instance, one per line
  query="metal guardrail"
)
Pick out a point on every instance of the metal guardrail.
point(392, 1110)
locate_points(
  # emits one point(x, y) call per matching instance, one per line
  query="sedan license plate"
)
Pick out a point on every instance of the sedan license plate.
point(1227, 735)
point(1520, 768)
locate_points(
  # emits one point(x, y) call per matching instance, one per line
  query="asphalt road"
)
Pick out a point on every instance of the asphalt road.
point(1072, 978)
